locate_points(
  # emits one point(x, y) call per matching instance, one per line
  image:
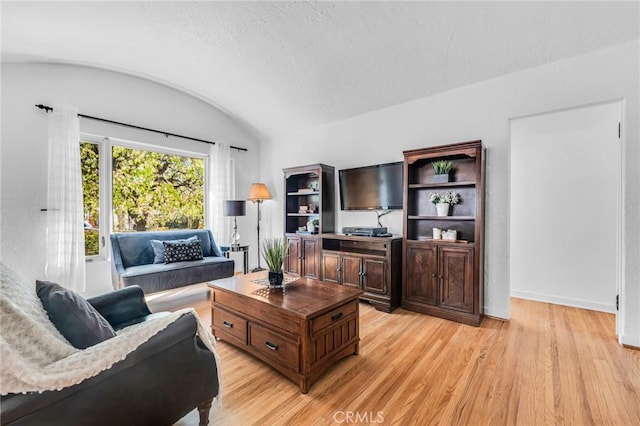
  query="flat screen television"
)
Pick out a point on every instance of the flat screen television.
point(377, 187)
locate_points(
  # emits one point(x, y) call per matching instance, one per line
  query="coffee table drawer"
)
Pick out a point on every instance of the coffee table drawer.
point(274, 346)
point(230, 324)
point(321, 323)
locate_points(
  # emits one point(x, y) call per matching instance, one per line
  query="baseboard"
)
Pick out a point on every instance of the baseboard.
point(497, 318)
point(565, 301)
point(496, 314)
point(632, 342)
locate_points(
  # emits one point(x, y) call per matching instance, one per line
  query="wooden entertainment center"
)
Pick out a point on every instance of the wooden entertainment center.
point(432, 276)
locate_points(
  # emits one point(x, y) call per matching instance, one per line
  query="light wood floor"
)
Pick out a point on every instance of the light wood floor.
point(549, 365)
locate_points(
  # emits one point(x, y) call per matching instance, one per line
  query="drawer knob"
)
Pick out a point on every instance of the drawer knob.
point(227, 324)
point(336, 316)
point(271, 346)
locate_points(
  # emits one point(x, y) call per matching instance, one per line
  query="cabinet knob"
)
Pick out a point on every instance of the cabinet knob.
point(441, 276)
point(434, 275)
point(227, 324)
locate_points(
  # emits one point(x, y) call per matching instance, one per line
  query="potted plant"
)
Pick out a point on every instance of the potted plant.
point(443, 201)
point(441, 170)
point(312, 226)
point(274, 251)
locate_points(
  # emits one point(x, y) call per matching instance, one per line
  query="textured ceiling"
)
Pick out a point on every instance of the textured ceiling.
point(281, 66)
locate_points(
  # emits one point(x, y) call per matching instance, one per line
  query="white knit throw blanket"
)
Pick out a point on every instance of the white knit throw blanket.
point(37, 358)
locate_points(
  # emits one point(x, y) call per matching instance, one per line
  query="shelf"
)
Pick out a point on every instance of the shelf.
point(304, 193)
point(441, 185)
point(302, 214)
point(306, 233)
point(465, 243)
point(454, 218)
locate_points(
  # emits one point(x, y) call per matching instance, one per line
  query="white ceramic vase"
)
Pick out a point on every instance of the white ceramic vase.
point(442, 209)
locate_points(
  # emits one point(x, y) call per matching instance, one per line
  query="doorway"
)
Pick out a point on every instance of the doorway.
point(565, 207)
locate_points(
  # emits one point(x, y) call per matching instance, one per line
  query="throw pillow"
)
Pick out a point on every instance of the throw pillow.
point(73, 316)
point(158, 248)
point(181, 252)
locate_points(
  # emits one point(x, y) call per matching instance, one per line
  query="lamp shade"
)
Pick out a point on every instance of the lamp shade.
point(234, 208)
point(258, 192)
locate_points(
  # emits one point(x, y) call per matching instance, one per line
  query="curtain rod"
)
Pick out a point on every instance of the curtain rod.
point(47, 108)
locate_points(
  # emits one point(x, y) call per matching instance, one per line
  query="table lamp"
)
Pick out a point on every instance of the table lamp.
point(258, 192)
point(234, 208)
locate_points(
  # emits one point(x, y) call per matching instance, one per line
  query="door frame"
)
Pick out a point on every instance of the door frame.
point(620, 239)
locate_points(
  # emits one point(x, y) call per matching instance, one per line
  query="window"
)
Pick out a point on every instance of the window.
point(138, 190)
point(90, 166)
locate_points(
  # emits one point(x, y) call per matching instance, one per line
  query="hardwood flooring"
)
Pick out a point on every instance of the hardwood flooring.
point(549, 364)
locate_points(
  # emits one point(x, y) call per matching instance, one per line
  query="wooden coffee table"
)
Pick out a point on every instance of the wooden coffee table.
point(300, 331)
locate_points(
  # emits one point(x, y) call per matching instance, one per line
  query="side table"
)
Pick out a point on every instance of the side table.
point(226, 250)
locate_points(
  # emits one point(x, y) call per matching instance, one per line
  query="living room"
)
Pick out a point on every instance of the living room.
point(41, 67)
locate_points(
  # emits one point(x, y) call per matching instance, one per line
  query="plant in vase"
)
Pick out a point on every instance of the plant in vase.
point(443, 201)
point(441, 170)
point(312, 225)
point(275, 251)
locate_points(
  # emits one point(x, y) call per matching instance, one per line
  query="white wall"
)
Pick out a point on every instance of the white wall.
point(104, 94)
point(482, 111)
point(565, 174)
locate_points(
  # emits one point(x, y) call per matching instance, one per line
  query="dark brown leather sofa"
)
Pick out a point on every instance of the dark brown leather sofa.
point(157, 384)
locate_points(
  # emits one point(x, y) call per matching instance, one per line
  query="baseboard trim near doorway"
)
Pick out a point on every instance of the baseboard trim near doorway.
point(565, 301)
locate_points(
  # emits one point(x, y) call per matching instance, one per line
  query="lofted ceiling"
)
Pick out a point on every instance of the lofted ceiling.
point(278, 67)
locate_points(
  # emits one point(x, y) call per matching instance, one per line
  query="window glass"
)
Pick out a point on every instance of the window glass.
point(90, 166)
point(156, 191)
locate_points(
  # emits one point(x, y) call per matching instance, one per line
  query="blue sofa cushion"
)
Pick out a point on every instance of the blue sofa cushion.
point(79, 322)
point(158, 247)
point(159, 277)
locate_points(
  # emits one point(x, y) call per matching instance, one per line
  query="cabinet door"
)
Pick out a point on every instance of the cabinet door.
point(292, 262)
point(351, 269)
point(311, 258)
point(374, 275)
point(331, 267)
point(456, 278)
point(421, 284)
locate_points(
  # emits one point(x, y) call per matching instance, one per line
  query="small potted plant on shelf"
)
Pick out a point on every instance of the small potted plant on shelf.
point(312, 226)
point(441, 170)
point(443, 201)
point(274, 251)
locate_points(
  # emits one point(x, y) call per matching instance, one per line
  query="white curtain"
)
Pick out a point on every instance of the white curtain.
point(65, 262)
point(219, 187)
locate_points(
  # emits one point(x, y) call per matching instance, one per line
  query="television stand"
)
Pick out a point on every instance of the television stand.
point(371, 263)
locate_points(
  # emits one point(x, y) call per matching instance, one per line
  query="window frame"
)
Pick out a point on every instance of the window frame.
point(105, 151)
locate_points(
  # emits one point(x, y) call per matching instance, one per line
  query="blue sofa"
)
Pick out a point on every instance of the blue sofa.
point(133, 257)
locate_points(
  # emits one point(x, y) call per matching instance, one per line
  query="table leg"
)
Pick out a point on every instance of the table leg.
point(246, 262)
